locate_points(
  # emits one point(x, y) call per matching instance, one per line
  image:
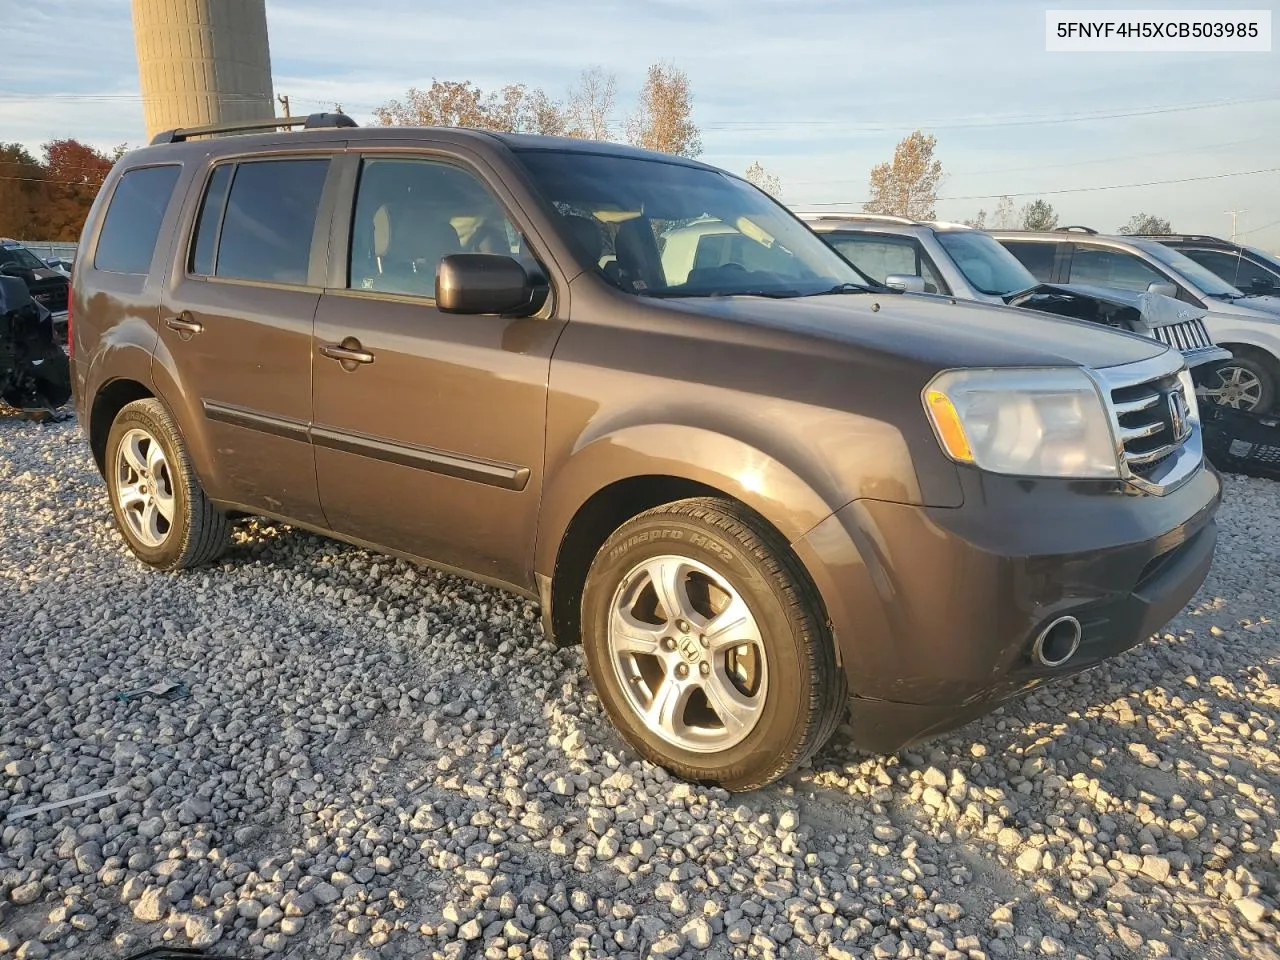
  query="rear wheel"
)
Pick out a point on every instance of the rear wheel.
point(1245, 382)
point(708, 645)
point(159, 506)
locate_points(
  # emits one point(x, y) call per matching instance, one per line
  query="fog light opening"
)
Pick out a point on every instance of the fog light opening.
point(1057, 643)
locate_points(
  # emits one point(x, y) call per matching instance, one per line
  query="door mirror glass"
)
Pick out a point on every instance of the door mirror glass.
point(1161, 286)
point(486, 283)
point(907, 283)
point(1263, 285)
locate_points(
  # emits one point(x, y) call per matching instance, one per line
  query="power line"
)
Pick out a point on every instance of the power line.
point(1044, 193)
point(1054, 166)
point(1245, 233)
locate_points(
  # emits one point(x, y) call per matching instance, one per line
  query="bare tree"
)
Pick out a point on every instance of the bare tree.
point(591, 102)
point(979, 222)
point(1147, 224)
point(663, 118)
point(908, 185)
point(1003, 218)
point(763, 179)
point(452, 103)
point(1039, 215)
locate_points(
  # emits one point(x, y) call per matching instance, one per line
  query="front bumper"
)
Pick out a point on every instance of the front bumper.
point(935, 610)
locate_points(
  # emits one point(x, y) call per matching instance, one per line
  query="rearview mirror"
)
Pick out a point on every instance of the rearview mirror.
point(906, 282)
point(1160, 286)
point(486, 283)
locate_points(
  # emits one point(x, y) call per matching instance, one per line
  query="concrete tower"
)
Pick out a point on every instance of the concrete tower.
point(202, 61)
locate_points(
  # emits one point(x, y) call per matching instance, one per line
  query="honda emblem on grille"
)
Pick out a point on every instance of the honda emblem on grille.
point(1179, 416)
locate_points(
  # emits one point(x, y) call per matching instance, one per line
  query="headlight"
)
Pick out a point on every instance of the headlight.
point(1027, 422)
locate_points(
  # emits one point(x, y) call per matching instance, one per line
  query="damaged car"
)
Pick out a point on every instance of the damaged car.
point(35, 374)
point(47, 285)
point(953, 259)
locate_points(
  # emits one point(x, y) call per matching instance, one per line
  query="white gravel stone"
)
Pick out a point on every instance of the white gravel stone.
point(378, 760)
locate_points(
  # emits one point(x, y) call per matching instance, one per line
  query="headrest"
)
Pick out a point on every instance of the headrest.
point(587, 235)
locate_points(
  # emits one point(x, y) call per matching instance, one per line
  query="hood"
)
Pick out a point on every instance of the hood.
point(1247, 307)
point(41, 274)
point(936, 330)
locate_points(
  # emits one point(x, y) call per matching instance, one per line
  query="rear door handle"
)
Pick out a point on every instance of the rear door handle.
point(185, 325)
point(349, 353)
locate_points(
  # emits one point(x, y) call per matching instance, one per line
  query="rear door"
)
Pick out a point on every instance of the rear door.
point(431, 440)
point(236, 327)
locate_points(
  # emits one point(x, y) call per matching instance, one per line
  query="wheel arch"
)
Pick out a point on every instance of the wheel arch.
point(619, 476)
point(112, 397)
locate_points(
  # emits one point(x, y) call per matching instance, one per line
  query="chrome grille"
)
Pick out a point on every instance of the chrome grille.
point(1183, 336)
point(1148, 415)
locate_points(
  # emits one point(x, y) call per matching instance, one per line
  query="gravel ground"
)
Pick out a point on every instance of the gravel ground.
point(375, 760)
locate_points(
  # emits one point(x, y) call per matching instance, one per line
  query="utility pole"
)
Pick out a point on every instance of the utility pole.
point(1234, 215)
point(284, 102)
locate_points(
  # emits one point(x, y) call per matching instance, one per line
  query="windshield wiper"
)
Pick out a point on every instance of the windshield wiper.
point(844, 288)
point(1229, 297)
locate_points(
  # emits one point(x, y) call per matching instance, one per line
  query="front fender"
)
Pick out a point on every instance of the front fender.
point(1262, 334)
point(787, 500)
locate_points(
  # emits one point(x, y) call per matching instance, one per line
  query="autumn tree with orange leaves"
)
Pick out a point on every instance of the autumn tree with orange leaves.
point(907, 186)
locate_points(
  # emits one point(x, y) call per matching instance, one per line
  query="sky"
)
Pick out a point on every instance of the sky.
point(818, 91)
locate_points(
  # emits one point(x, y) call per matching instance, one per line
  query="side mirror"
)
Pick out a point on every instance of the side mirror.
point(906, 282)
point(486, 283)
point(1159, 286)
point(11, 270)
point(1264, 285)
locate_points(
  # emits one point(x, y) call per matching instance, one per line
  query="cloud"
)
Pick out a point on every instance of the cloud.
point(817, 90)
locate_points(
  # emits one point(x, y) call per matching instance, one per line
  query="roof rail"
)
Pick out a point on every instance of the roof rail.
point(312, 121)
point(1074, 228)
point(1197, 237)
point(850, 215)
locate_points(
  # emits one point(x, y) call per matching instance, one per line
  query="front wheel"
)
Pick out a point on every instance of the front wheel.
point(156, 498)
point(1244, 382)
point(708, 645)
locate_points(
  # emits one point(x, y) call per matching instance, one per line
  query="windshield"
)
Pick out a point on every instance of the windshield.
point(666, 229)
point(22, 257)
point(1269, 259)
point(1202, 278)
point(989, 267)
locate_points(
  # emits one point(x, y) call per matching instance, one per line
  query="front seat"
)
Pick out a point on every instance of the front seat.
point(637, 254)
point(409, 240)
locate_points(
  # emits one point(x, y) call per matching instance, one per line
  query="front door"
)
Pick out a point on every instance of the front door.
point(237, 324)
point(429, 427)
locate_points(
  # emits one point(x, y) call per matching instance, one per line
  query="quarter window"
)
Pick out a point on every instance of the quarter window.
point(411, 213)
point(131, 227)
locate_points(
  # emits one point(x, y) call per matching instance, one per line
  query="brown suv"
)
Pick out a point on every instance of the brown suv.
point(759, 491)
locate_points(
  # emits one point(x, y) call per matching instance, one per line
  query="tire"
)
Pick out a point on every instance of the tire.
point(761, 695)
point(195, 532)
point(1245, 382)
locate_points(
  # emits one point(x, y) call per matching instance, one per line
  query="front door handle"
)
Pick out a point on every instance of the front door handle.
point(185, 325)
point(349, 353)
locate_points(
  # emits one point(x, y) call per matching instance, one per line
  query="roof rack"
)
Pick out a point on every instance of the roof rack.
point(1196, 237)
point(851, 215)
point(312, 121)
point(1075, 227)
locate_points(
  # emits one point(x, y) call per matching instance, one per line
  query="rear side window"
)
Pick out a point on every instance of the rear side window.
point(1036, 257)
point(257, 221)
point(132, 224)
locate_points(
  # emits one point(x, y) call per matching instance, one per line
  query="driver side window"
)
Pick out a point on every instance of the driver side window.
point(409, 214)
point(878, 256)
